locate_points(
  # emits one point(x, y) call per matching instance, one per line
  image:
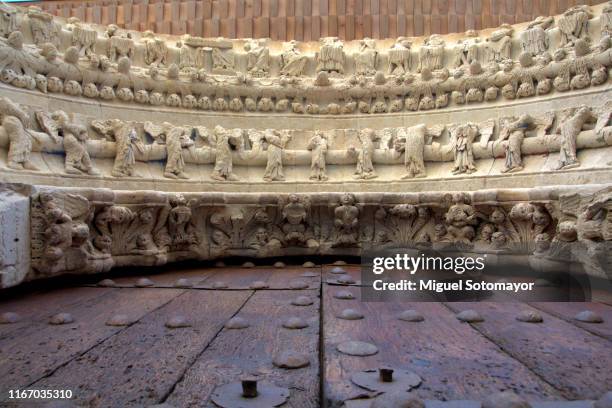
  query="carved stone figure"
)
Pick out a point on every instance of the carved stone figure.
point(177, 140)
point(411, 141)
point(293, 61)
point(365, 166)
point(126, 140)
point(366, 58)
point(318, 144)
point(222, 59)
point(512, 135)
point(223, 141)
point(15, 59)
point(276, 141)
point(83, 37)
point(346, 222)
point(44, 29)
point(156, 50)
point(120, 43)
point(431, 53)
point(460, 219)
point(569, 131)
point(606, 21)
point(8, 20)
point(462, 139)
point(330, 57)
point(295, 212)
point(20, 143)
point(534, 39)
point(180, 228)
point(498, 46)
point(574, 25)
point(258, 57)
point(466, 50)
point(400, 57)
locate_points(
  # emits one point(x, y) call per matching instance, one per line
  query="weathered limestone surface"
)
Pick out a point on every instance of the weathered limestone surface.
point(14, 234)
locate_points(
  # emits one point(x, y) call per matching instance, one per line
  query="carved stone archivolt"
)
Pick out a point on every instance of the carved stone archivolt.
point(253, 75)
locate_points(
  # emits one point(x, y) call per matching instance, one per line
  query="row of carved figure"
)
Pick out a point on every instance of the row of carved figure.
point(73, 233)
point(477, 74)
point(127, 142)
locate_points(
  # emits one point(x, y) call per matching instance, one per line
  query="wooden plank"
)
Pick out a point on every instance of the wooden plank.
point(454, 361)
point(41, 349)
point(237, 352)
point(574, 361)
point(140, 365)
point(236, 278)
point(568, 310)
point(167, 278)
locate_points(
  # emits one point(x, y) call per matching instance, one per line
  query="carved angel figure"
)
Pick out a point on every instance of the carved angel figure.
point(177, 140)
point(83, 37)
point(223, 141)
point(400, 57)
point(126, 140)
point(462, 139)
point(346, 222)
point(318, 145)
point(293, 61)
point(223, 60)
point(569, 131)
point(365, 166)
point(258, 57)
point(512, 135)
point(276, 141)
point(330, 57)
point(498, 46)
point(574, 24)
point(411, 141)
point(20, 143)
point(366, 58)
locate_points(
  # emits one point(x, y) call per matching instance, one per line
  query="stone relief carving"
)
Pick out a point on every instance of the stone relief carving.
point(295, 221)
point(346, 222)
point(224, 141)
point(276, 142)
point(318, 145)
point(365, 166)
point(466, 50)
point(498, 46)
point(462, 140)
point(569, 130)
point(431, 53)
point(258, 57)
point(156, 50)
point(83, 37)
point(293, 61)
point(574, 24)
point(606, 21)
point(534, 39)
point(44, 29)
point(8, 20)
point(126, 141)
point(411, 141)
point(120, 43)
point(512, 136)
point(366, 58)
point(400, 57)
point(330, 57)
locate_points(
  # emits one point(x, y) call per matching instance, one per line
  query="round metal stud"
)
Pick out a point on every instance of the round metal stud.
point(470, 316)
point(344, 295)
point(309, 264)
point(183, 283)
point(219, 285)
point(339, 263)
point(177, 322)
point(279, 264)
point(234, 395)
point(118, 320)
point(529, 316)
point(258, 285)
point(411, 316)
point(588, 316)
point(346, 280)
point(248, 265)
point(9, 318)
point(350, 314)
point(291, 360)
point(236, 323)
point(295, 323)
point(144, 283)
point(309, 274)
point(338, 271)
point(61, 318)
point(107, 283)
point(302, 301)
point(357, 348)
point(386, 380)
point(298, 284)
